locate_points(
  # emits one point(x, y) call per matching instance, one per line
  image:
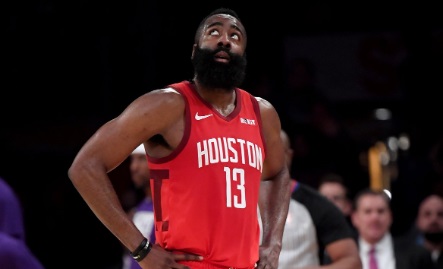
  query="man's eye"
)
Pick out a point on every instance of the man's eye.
point(235, 36)
point(213, 32)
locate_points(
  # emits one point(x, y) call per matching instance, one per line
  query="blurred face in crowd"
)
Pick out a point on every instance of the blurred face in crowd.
point(372, 217)
point(287, 146)
point(336, 193)
point(430, 219)
point(139, 170)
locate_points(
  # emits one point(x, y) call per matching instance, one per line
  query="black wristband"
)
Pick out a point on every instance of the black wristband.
point(143, 252)
point(140, 247)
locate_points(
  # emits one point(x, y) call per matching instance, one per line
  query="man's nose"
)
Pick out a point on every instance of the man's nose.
point(224, 41)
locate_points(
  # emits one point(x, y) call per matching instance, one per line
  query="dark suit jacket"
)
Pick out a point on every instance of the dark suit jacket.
point(440, 261)
point(411, 238)
point(411, 256)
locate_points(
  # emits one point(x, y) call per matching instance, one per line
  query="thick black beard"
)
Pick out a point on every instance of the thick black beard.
point(213, 74)
point(434, 237)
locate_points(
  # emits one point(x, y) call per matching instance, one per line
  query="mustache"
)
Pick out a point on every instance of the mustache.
point(224, 49)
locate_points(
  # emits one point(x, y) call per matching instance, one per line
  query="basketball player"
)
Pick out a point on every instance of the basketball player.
point(210, 144)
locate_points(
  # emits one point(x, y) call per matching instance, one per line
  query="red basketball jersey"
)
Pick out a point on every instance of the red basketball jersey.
point(206, 192)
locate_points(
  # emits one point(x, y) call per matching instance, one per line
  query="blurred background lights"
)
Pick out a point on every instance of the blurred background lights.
point(393, 143)
point(403, 142)
point(384, 158)
point(388, 193)
point(382, 114)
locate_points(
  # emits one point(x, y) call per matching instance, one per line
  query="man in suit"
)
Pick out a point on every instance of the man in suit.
point(372, 217)
point(428, 228)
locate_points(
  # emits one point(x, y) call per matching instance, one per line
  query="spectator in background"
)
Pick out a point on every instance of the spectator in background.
point(428, 228)
point(14, 252)
point(314, 225)
point(142, 214)
point(372, 218)
point(333, 187)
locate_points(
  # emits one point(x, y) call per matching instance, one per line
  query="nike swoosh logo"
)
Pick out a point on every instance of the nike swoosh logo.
point(197, 117)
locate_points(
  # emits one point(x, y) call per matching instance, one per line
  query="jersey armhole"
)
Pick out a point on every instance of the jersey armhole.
point(259, 120)
point(177, 88)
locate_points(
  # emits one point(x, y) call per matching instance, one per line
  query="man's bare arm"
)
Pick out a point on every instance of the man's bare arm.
point(274, 190)
point(110, 146)
point(343, 254)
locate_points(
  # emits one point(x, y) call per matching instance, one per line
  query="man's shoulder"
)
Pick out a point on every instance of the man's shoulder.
point(305, 193)
point(319, 206)
point(262, 101)
point(167, 94)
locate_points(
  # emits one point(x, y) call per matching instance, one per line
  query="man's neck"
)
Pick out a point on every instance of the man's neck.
point(222, 100)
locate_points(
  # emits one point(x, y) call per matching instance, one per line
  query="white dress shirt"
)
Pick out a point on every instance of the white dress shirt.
point(384, 252)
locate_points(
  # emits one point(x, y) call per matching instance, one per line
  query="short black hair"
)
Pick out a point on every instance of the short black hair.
point(332, 178)
point(221, 10)
point(371, 192)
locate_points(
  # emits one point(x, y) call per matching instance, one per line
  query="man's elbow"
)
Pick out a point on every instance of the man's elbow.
point(74, 173)
point(79, 171)
point(356, 263)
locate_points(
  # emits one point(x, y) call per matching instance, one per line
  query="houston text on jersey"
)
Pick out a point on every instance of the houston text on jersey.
point(229, 149)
